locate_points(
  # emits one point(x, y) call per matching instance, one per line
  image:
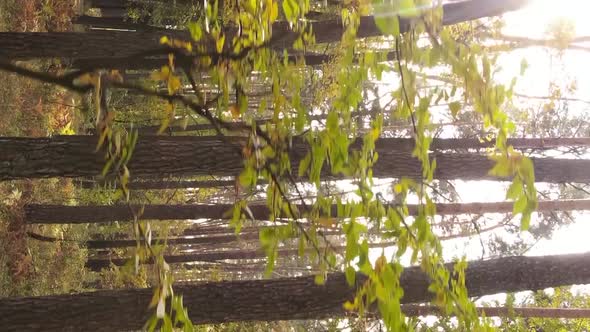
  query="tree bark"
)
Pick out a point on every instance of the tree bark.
point(106, 3)
point(278, 299)
point(210, 241)
point(63, 214)
point(165, 184)
point(569, 313)
point(96, 264)
point(75, 156)
point(104, 44)
point(113, 23)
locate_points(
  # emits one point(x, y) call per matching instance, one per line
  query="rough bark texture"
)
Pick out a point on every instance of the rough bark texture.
point(278, 299)
point(96, 264)
point(212, 242)
point(74, 156)
point(569, 313)
point(164, 184)
point(113, 23)
point(102, 44)
point(47, 214)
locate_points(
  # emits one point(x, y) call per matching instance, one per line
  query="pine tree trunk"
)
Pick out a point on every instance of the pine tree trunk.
point(164, 184)
point(212, 242)
point(106, 3)
point(63, 214)
point(278, 299)
point(97, 264)
point(113, 23)
point(75, 156)
point(104, 44)
point(569, 313)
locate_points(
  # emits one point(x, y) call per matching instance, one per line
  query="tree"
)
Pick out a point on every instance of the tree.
point(46, 214)
point(342, 145)
point(97, 44)
point(278, 299)
point(75, 156)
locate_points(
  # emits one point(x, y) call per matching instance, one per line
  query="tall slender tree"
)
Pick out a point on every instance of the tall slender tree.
point(278, 299)
point(75, 156)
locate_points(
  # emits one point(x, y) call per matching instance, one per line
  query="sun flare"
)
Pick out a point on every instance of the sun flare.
point(534, 20)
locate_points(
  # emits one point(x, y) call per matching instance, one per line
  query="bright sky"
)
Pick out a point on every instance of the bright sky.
point(544, 67)
point(532, 22)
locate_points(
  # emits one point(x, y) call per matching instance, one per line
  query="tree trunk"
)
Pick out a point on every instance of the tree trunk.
point(84, 45)
point(569, 313)
point(210, 241)
point(96, 264)
point(104, 44)
point(63, 214)
point(278, 299)
point(113, 23)
point(75, 156)
point(106, 3)
point(166, 184)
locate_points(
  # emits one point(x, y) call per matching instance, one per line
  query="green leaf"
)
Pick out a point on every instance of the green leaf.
point(247, 176)
point(515, 189)
point(320, 279)
point(408, 8)
point(195, 30)
point(301, 247)
point(304, 164)
point(519, 205)
point(525, 221)
point(219, 43)
point(290, 9)
point(350, 275)
point(267, 236)
point(455, 107)
point(388, 24)
point(523, 66)
point(151, 324)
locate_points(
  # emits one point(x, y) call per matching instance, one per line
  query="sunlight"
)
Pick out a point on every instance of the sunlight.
point(536, 17)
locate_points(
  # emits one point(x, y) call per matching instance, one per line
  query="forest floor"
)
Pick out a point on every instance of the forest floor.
point(36, 15)
point(32, 109)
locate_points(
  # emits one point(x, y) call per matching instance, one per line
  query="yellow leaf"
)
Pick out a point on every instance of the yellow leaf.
point(274, 11)
point(161, 75)
point(327, 222)
point(380, 263)
point(86, 79)
point(220, 43)
point(173, 84)
point(349, 306)
point(164, 40)
point(235, 111)
point(171, 60)
point(170, 115)
point(164, 125)
point(155, 298)
point(101, 139)
point(116, 76)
